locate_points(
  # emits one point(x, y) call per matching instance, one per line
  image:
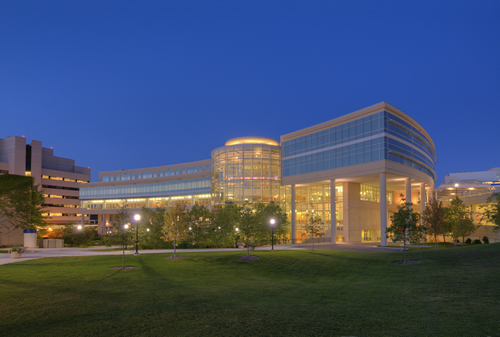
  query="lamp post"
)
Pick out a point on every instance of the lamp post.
point(272, 222)
point(137, 218)
point(456, 190)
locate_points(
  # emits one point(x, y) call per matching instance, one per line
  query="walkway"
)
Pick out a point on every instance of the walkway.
point(39, 253)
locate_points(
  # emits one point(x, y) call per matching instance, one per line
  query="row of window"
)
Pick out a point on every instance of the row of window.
point(60, 205)
point(189, 200)
point(164, 188)
point(148, 175)
point(64, 179)
point(58, 196)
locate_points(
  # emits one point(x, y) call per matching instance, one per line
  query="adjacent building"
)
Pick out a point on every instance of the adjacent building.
point(59, 178)
point(352, 171)
point(473, 188)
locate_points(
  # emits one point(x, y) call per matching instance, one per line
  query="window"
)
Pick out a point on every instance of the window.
point(184, 171)
point(193, 169)
point(147, 175)
point(169, 173)
point(105, 178)
point(154, 174)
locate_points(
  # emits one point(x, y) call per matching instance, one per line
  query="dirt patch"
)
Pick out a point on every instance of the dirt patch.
point(249, 258)
point(174, 257)
point(407, 262)
point(120, 268)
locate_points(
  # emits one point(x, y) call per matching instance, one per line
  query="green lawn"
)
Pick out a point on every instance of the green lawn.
point(453, 292)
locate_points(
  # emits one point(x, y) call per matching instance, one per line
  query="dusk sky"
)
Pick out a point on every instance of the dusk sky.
point(132, 84)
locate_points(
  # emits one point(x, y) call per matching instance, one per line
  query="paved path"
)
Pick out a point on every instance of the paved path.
point(39, 253)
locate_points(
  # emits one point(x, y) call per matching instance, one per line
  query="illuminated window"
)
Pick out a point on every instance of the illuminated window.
point(45, 177)
point(56, 178)
point(27, 173)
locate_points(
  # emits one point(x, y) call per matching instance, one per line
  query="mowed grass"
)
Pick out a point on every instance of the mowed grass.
point(452, 292)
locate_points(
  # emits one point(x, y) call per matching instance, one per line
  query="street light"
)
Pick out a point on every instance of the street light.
point(272, 222)
point(137, 218)
point(456, 190)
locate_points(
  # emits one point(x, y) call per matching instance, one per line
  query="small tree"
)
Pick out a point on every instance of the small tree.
point(122, 236)
point(435, 218)
point(461, 220)
point(250, 224)
point(405, 226)
point(175, 224)
point(314, 226)
point(491, 211)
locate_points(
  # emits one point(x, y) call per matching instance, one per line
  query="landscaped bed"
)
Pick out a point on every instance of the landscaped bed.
point(451, 292)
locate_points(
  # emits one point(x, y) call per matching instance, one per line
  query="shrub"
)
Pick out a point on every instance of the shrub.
point(468, 240)
point(78, 238)
point(485, 239)
point(477, 242)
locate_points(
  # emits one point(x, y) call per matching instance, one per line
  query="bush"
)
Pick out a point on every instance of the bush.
point(78, 238)
point(468, 240)
point(485, 240)
point(477, 242)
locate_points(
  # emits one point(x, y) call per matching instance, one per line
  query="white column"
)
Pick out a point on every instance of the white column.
point(383, 209)
point(422, 207)
point(82, 222)
point(292, 215)
point(333, 218)
point(422, 198)
point(408, 189)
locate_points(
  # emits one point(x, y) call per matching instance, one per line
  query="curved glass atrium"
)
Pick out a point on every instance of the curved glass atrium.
point(246, 172)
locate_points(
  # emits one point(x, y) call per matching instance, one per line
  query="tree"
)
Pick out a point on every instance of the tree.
point(175, 223)
point(314, 226)
point(435, 218)
point(152, 219)
point(122, 236)
point(225, 228)
point(266, 212)
point(200, 221)
point(250, 224)
point(20, 203)
point(461, 220)
point(404, 226)
point(491, 210)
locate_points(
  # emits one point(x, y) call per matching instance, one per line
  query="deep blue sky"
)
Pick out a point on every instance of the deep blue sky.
point(136, 84)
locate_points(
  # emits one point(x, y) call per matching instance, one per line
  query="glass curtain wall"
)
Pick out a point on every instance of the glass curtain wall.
point(246, 173)
point(309, 201)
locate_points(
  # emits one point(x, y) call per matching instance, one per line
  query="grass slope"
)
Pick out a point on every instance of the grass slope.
point(451, 292)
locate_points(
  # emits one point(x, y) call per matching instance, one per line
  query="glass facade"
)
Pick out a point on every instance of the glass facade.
point(314, 199)
point(246, 173)
point(162, 189)
point(372, 193)
point(375, 137)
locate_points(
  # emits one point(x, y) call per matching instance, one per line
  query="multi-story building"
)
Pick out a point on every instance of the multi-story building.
point(59, 178)
point(152, 187)
point(353, 169)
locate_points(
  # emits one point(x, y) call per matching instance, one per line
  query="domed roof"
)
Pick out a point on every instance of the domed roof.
point(252, 140)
